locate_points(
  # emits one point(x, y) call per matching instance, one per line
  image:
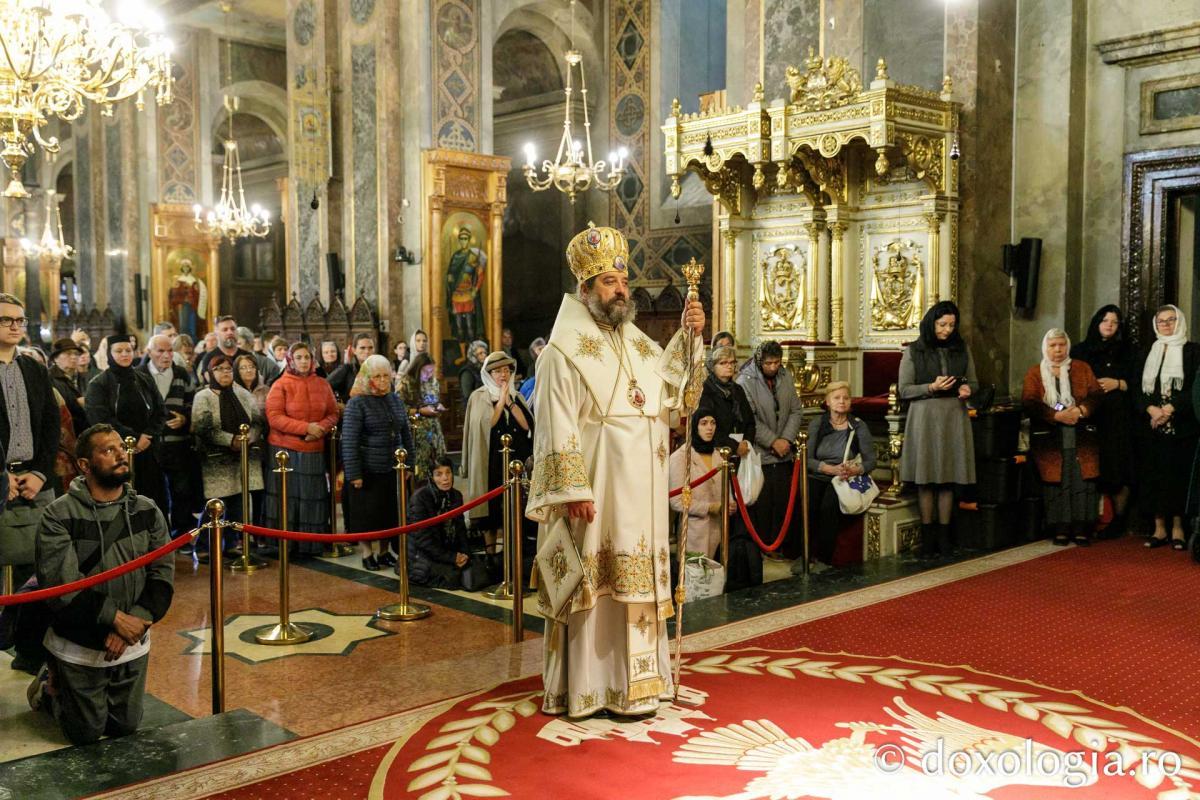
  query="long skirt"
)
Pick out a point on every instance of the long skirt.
point(1073, 500)
point(938, 445)
point(429, 443)
point(768, 511)
point(308, 496)
point(374, 506)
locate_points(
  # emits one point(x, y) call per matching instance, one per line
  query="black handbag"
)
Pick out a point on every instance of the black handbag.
point(478, 573)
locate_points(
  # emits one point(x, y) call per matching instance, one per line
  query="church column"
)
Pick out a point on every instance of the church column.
point(934, 291)
point(729, 289)
point(312, 73)
point(457, 75)
point(837, 230)
point(811, 331)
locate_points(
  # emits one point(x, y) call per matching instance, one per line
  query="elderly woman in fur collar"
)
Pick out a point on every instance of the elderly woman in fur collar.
point(1060, 396)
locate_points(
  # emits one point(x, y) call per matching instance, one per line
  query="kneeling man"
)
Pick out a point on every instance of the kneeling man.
point(99, 638)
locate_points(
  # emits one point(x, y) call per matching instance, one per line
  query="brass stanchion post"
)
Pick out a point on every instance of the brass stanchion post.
point(504, 590)
point(405, 610)
point(285, 632)
point(216, 523)
point(802, 454)
point(725, 455)
point(518, 589)
point(336, 549)
point(8, 580)
point(130, 446)
point(247, 563)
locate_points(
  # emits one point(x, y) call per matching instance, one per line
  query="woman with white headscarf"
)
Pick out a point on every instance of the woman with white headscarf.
point(494, 409)
point(1061, 396)
point(1171, 430)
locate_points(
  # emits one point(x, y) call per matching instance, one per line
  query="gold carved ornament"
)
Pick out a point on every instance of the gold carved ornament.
point(896, 286)
point(825, 83)
point(782, 290)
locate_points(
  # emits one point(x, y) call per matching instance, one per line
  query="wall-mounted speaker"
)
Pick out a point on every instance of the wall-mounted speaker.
point(1022, 262)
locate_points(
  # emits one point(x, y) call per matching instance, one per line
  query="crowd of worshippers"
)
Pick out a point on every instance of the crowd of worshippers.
point(69, 511)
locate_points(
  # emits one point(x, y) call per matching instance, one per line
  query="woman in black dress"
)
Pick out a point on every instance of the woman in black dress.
point(1113, 360)
point(1170, 429)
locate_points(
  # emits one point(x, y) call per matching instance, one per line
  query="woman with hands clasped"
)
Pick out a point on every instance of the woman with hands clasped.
point(1061, 395)
point(1168, 372)
point(493, 410)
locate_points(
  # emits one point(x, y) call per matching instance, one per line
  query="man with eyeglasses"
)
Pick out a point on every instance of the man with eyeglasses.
point(29, 435)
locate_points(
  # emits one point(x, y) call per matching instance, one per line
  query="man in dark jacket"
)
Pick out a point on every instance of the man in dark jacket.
point(64, 374)
point(29, 434)
point(437, 555)
point(99, 641)
point(175, 453)
point(342, 379)
point(227, 343)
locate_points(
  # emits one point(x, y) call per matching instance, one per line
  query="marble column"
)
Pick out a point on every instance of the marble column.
point(843, 31)
point(372, 159)
point(457, 74)
point(312, 39)
point(789, 29)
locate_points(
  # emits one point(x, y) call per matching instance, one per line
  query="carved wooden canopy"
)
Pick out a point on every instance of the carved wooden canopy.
point(804, 145)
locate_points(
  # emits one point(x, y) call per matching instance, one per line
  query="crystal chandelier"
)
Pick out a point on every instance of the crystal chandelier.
point(230, 218)
point(573, 171)
point(53, 244)
point(60, 55)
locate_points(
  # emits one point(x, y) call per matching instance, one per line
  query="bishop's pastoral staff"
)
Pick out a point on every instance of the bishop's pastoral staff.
point(605, 396)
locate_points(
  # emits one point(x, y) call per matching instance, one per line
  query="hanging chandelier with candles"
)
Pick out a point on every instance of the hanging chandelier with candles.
point(53, 244)
point(573, 171)
point(230, 218)
point(61, 55)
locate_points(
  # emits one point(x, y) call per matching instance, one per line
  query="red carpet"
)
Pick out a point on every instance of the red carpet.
point(1070, 668)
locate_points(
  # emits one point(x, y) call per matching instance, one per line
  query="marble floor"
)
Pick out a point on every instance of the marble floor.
point(355, 669)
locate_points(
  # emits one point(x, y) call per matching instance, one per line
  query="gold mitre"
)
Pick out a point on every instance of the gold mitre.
point(597, 250)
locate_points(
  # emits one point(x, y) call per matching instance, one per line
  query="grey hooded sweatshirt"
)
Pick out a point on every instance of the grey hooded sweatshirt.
point(78, 537)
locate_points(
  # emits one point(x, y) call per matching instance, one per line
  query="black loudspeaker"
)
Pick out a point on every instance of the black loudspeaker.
point(137, 300)
point(337, 279)
point(1029, 261)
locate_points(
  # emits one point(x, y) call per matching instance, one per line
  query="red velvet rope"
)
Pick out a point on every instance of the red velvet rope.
point(787, 519)
point(705, 477)
point(101, 577)
point(297, 536)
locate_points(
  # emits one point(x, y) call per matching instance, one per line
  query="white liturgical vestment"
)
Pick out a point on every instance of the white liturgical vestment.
point(593, 442)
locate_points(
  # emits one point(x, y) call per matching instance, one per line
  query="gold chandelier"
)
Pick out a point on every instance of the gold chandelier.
point(60, 55)
point(230, 217)
point(53, 244)
point(573, 171)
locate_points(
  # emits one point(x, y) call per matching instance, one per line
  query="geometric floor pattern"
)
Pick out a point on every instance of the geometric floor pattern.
point(332, 634)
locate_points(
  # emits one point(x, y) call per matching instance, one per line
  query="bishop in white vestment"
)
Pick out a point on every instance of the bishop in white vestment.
point(604, 399)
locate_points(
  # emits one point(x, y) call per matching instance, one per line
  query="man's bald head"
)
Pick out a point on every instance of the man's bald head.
point(160, 351)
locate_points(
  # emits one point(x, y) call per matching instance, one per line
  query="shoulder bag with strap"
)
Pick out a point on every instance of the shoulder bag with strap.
point(856, 494)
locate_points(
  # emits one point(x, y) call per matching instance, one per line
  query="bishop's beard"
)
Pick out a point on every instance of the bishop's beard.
point(614, 313)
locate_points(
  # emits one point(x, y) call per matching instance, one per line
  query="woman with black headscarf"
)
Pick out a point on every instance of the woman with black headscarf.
point(128, 400)
point(937, 375)
point(218, 412)
point(1112, 358)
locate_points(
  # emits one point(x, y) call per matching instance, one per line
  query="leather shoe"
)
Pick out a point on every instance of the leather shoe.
point(1155, 541)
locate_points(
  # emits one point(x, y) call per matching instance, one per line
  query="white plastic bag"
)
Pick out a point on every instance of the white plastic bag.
point(703, 577)
point(750, 476)
point(855, 495)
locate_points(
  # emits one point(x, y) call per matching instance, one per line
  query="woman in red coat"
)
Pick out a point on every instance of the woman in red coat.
point(1061, 396)
point(301, 410)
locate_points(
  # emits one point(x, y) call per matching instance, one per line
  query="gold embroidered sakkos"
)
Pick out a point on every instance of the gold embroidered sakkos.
point(559, 471)
point(623, 573)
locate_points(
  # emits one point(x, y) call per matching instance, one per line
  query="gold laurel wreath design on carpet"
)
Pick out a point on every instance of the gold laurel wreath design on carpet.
point(1067, 720)
point(455, 756)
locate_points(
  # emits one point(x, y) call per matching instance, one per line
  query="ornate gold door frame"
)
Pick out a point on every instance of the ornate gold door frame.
point(1151, 178)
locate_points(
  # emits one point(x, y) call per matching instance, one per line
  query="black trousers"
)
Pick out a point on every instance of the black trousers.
point(183, 486)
